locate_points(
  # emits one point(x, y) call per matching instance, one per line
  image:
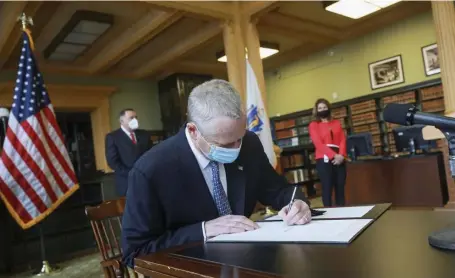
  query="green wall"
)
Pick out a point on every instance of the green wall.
point(296, 86)
point(139, 95)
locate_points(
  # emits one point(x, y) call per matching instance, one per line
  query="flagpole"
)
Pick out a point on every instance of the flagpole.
point(45, 269)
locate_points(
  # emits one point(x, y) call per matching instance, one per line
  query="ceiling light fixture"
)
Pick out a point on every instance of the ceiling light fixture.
point(77, 35)
point(265, 50)
point(356, 9)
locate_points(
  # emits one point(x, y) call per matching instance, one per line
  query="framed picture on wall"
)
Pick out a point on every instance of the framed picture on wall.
point(430, 59)
point(386, 72)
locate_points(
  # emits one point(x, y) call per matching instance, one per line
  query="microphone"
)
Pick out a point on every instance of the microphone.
point(407, 115)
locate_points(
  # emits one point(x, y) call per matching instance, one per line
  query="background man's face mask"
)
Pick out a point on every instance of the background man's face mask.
point(133, 124)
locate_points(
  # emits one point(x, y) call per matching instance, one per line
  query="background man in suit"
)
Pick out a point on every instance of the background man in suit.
point(205, 180)
point(124, 146)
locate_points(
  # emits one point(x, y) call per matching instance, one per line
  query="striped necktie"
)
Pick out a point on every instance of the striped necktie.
point(221, 200)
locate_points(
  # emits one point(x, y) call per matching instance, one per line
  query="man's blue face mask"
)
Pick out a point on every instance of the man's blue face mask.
point(220, 154)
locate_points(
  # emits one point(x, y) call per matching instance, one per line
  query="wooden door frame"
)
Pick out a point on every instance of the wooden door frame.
point(77, 98)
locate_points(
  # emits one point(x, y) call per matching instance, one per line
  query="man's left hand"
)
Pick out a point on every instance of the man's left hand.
point(298, 215)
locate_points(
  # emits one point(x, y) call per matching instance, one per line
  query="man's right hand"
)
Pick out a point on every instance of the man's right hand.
point(228, 224)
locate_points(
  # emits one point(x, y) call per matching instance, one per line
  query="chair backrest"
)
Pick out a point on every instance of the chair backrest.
point(106, 224)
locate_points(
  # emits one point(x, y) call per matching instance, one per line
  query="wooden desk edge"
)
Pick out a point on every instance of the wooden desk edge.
point(165, 264)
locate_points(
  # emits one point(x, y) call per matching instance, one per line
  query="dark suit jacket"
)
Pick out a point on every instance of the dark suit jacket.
point(121, 154)
point(168, 198)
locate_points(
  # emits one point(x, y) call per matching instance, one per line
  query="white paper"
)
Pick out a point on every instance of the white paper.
point(334, 213)
point(329, 231)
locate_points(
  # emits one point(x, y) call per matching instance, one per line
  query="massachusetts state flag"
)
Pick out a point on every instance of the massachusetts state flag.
point(258, 121)
point(36, 174)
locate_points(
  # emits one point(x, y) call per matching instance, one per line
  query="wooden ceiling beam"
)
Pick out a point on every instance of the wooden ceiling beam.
point(400, 12)
point(405, 10)
point(196, 67)
point(8, 19)
point(179, 50)
point(206, 9)
point(257, 9)
point(9, 27)
point(301, 25)
point(141, 32)
point(64, 12)
point(292, 33)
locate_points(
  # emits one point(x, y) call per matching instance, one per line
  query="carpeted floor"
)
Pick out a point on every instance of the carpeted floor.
point(82, 267)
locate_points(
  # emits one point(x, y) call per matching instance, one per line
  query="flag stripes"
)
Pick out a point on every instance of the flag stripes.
point(36, 173)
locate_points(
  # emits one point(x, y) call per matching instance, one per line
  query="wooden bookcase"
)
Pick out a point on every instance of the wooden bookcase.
point(358, 115)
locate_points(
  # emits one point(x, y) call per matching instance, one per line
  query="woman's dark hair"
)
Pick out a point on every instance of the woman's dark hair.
point(315, 109)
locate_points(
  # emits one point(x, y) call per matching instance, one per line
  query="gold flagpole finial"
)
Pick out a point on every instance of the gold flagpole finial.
point(25, 20)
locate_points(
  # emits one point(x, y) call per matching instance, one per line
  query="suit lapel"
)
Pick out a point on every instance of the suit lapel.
point(236, 187)
point(125, 138)
point(193, 174)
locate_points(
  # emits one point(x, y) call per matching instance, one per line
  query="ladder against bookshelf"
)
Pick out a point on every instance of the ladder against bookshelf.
point(358, 115)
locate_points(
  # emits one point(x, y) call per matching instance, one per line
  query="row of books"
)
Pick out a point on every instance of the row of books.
point(294, 141)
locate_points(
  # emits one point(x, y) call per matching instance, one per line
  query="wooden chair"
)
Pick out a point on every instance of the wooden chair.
point(106, 224)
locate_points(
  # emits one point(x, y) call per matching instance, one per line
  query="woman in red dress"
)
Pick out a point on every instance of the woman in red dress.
point(330, 143)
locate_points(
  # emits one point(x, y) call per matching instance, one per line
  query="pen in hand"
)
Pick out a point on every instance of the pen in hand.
point(292, 199)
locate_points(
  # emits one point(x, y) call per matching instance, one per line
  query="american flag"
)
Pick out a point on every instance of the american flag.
point(36, 174)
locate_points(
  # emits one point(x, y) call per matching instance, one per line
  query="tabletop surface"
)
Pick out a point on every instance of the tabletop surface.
point(395, 245)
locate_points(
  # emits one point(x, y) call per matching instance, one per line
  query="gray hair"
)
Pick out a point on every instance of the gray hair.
point(212, 99)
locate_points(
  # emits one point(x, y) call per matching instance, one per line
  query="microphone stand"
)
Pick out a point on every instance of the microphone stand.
point(445, 238)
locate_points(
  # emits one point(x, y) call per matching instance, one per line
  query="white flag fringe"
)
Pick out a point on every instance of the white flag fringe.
point(258, 122)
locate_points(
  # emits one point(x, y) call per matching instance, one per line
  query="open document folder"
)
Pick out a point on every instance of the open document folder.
point(334, 213)
point(329, 231)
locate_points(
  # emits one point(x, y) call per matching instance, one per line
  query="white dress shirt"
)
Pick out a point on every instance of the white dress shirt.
point(203, 162)
point(129, 133)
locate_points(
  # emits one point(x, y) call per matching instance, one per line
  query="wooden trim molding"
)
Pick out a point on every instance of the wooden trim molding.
point(93, 99)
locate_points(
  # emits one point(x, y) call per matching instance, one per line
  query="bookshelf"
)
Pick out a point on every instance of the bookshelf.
point(358, 115)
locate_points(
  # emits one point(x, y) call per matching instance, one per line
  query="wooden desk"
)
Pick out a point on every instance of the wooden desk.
point(404, 181)
point(395, 245)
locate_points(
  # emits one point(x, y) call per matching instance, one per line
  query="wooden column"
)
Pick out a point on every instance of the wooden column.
point(100, 128)
point(234, 47)
point(444, 21)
